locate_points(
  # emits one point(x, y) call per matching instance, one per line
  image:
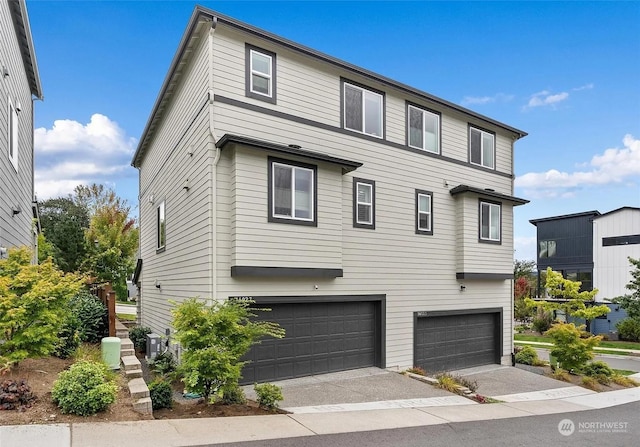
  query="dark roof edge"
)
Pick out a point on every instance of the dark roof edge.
point(21, 18)
point(347, 165)
point(618, 209)
point(461, 189)
point(565, 216)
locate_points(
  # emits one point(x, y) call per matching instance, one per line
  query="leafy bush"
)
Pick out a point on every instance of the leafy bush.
point(542, 321)
point(138, 336)
point(15, 395)
point(527, 355)
point(161, 394)
point(92, 315)
point(163, 364)
point(268, 395)
point(600, 371)
point(571, 351)
point(84, 389)
point(629, 329)
point(68, 337)
point(233, 394)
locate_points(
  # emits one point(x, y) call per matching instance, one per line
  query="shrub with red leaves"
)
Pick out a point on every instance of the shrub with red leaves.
point(15, 395)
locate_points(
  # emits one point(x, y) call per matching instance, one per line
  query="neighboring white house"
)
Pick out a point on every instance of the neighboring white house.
point(19, 86)
point(374, 219)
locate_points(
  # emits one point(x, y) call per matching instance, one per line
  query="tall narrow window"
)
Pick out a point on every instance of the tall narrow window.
point(364, 192)
point(292, 194)
point(260, 74)
point(481, 148)
point(424, 212)
point(161, 226)
point(363, 110)
point(13, 135)
point(423, 129)
point(490, 217)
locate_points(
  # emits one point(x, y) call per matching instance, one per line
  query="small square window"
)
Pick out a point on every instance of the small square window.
point(364, 208)
point(260, 66)
point(423, 129)
point(490, 222)
point(13, 135)
point(482, 148)
point(292, 192)
point(547, 249)
point(363, 110)
point(424, 212)
point(161, 238)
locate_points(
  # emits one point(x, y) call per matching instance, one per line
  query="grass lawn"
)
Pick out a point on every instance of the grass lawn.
point(597, 351)
point(603, 344)
point(126, 317)
point(624, 372)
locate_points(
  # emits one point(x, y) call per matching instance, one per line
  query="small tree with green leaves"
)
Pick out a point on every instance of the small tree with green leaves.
point(32, 306)
point(214, 338)
point(572, 352)
point(631, 301)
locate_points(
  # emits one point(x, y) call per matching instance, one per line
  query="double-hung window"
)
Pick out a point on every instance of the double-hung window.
point(13, 135)
point(482, 148)
point(490, 222)
point(292, 192)
point(260, 74)
point(424, 212)
point(363, 110)
point(364, 208)
point(161, 236)
point(423, 129)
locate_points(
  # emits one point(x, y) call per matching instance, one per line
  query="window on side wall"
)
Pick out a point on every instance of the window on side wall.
point(547, 249)
point(423, 129)
point(482, 148)
point(260, 66)
point(424, 212)
point(12, 132)
point(490, 222)
point(364, 208)
point(363, 110)
point(292, 192)
point(161, 236)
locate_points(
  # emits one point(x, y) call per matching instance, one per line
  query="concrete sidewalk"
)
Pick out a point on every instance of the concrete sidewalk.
point(189, 432)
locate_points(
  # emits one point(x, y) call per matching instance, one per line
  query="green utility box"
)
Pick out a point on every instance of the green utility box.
point(111, 352)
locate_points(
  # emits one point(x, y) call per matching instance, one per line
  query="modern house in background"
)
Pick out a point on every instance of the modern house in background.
point(19, 86)
point(592, 248)
point(374, 219)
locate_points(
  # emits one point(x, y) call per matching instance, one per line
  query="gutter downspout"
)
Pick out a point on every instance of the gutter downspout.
point(213, 209)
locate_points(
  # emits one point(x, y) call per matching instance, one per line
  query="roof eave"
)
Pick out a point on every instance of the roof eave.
point(25, 41)
point(462, 189)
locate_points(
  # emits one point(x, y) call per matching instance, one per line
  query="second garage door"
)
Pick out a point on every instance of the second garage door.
point(456, 341)
point(321, 337)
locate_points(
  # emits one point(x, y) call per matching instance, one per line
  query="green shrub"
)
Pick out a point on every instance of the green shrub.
point(268, 395)
point(84, 389)
point(590, 382)
point(599, 371)
point(629, 329)
point(138, 336)
point(624, 381)
point(92, 315)
point(527, 355)
point(572, 352)
point(68, 337)
point(233, 394)
point(163, 364)
point(542, 321)
point(161, 394)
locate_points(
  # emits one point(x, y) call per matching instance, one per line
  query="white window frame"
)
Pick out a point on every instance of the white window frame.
point(267, 76)
point(498, 224)
point(425, 113)
point(364, 92)
point(161, 231)
point(489, 164)
point(419, 212)
point(312, 193)
point(13, 134)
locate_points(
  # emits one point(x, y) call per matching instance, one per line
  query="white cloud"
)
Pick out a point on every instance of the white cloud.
point(71, 153)
point(613, 166)
point(525, 247)
point(546, 98)
point(480, 100)
point(584, 87)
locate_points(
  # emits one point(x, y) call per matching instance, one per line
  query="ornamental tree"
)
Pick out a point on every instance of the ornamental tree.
point(631, 301)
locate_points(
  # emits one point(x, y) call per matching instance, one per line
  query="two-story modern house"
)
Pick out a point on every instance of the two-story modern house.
point(19, 86)
point(374, 219)
point(592, 248)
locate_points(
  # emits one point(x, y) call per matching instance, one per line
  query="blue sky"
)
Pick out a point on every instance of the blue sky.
point(567, 73)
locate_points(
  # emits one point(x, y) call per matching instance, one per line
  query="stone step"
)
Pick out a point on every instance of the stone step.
point(127, 353)
point(130, 362)
point(143, 406)
point(138, 388)
point(126, 343)
point(133, 374)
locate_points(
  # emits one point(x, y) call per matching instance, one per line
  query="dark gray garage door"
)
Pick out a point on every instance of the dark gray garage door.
point(450, 342)
point(320, 338)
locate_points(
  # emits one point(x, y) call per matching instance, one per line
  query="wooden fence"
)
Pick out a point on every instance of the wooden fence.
point(107, 295)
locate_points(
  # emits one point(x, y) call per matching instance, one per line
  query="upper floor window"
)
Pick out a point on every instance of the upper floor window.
point(547, 249)
point(161, 227)
point(424, 129)
point(490, 222)
point(482, 148)
point(13, 135)
point(424, 214)
point(260, 74)
point(292, 192)
point(364, 192)
point(362, 110)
